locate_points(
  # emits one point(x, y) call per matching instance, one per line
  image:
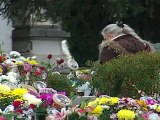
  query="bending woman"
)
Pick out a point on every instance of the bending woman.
point(120, 39)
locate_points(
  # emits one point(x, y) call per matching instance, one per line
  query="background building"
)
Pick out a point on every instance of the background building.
point(5, 35)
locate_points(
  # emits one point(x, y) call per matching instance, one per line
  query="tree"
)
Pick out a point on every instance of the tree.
point(20, 11)
point(84, 19)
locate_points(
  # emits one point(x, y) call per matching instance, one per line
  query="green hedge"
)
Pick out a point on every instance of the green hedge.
point(118, 76)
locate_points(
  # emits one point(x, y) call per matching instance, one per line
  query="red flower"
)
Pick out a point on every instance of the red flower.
point(2, 118)
point(1, 59)
point(82, 111)
point(19, 111)
point(42, 68)
point(38, 72)
point(60, 61)
point(32, 106)
point(16, 104)
point(49, 56)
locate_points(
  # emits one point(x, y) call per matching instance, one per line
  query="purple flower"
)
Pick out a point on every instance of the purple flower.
point(27, 67)
point(47, 98)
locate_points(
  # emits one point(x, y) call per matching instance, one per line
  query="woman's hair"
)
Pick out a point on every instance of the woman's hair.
point(119, 29)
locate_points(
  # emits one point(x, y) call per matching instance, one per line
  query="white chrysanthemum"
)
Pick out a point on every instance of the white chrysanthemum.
point(4, 77)
point(31, 99)
point(21, 58)
point(15, 54)
point(154, 116)
point(11, 76)
point(4, 88)
point(12, 79)
point(153, 106)
point(8, 109)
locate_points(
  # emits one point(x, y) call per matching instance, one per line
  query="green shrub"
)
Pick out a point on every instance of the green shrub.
point(59, 82)
point(118, 76)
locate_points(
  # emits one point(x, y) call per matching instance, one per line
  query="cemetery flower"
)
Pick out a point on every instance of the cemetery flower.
point(153, 116)
point(158, 109)
point(17, 103)
point(2, 69)
point(31, 99)
point(27, 67)
point(33, 62)
point(114, 100)
point(19, 91)
point(97, 110)
point(4, 88)
point(126, 114)
point(49, 56)
point(59, 60)
point(14, 54)
point(104, 100)
point(1, 59)
point(2, 118)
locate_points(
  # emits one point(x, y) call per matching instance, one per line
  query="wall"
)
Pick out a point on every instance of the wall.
point(5, 35)
point(42, 47)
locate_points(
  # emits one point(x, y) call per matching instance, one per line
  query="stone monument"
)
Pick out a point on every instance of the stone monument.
point(39, 39)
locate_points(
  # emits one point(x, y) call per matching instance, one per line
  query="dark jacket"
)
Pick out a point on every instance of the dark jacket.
point(122, 45)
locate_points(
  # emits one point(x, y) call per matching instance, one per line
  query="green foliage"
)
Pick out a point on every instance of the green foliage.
point(75, 116)
point(118, 76)
point(59, 82)
point(19, 11)
point(105, 115)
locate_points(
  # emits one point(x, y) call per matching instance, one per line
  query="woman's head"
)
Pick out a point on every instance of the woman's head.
point(113, 30)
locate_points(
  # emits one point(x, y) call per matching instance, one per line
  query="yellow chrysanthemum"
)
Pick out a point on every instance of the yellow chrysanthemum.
point(5, 95)
point(4, 88)
point(26, 60)
point(21, 100)
point(158, 108)
point(97, 110)
point(1, 70)
point(97, 99)
point(93, 103)
point(33, 62)
point(126, 115)
point(114, 100)
point(19, 91)
point(103, 100)
point(18, 63)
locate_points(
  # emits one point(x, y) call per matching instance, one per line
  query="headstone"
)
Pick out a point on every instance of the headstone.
point(40, 40)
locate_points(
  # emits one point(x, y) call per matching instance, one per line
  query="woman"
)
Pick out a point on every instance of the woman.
point(120, 39)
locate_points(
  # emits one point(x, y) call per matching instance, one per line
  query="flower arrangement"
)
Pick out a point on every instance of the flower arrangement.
point(30, 89)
